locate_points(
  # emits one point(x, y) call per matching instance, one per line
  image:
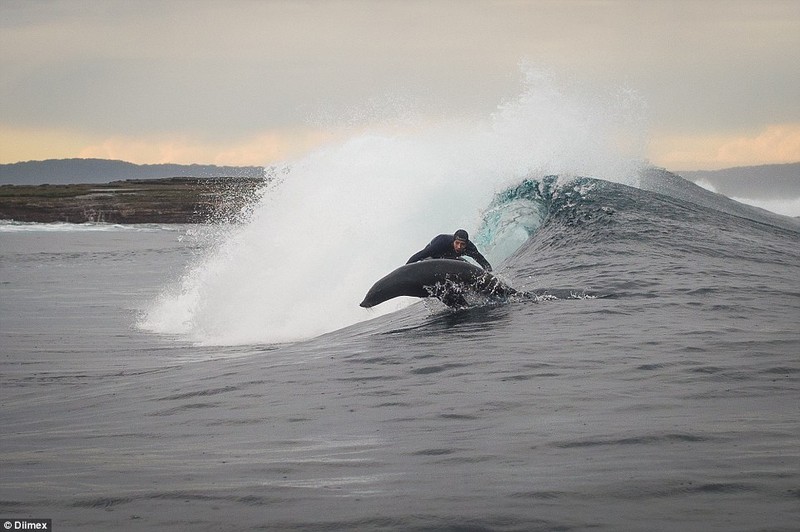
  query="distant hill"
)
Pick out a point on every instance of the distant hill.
point(769, 181)
point(73, 171)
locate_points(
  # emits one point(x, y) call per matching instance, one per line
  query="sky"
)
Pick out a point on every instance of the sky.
point(249, 82)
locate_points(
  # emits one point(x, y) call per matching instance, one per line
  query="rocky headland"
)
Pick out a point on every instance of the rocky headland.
point(166, 200)
point(101, 190)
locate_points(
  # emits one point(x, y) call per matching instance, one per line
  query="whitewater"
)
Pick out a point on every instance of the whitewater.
point(223, 377)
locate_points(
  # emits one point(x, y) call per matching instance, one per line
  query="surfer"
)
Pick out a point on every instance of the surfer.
point(451, 247)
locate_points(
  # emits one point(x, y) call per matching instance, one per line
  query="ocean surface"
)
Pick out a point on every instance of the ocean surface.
point(654, 385)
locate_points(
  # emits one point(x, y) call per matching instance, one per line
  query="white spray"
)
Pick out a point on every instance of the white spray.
point(348, 214)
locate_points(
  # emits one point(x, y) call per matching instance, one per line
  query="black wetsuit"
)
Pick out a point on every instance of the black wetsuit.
point(441, 247)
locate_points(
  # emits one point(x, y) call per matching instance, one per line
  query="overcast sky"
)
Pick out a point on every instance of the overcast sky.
point(256, 82)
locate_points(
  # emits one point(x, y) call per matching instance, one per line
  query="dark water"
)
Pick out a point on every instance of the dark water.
point(671, 404)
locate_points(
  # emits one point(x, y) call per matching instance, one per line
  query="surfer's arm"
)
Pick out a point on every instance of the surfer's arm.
point(439, 247)
point(419, 255)
point(473, 252)
point(483, 262)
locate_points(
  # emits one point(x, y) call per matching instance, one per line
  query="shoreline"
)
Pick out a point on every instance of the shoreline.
point(175, 200)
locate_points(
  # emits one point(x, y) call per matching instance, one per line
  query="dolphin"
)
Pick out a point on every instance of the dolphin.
point(445, 279)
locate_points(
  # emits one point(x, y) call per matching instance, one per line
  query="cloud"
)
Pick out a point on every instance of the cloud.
point(774, 144)
point(30, 143)
point(262, 149)
point(234, 70)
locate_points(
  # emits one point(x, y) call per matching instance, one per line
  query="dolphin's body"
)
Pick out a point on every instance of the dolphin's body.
point(445, 279)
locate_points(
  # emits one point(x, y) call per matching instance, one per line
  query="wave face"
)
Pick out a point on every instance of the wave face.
point(344, 216)
point(630, 242)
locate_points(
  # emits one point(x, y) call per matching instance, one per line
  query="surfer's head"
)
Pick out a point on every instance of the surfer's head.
point(460, 239)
